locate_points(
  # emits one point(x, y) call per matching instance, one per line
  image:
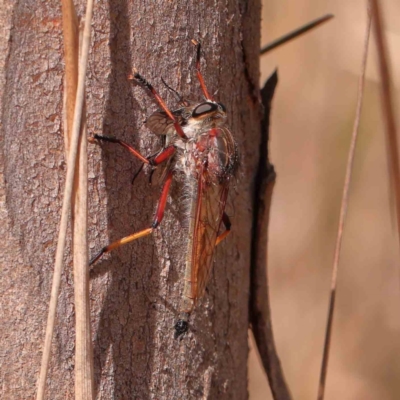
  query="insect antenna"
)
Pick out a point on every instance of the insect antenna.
point(178, 96)
point(140, 79)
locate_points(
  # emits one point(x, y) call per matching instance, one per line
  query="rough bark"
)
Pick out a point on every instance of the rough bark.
point(136, 290)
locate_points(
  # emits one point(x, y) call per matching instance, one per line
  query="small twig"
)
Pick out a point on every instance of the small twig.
point(298, 32)
point(260, 313)
point(343, 211)
point(388, 106)
point(76, 128)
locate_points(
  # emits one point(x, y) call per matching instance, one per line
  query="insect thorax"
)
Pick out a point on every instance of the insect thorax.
point(212, 154)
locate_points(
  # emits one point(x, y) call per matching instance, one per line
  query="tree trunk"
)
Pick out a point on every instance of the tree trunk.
point(136, 290)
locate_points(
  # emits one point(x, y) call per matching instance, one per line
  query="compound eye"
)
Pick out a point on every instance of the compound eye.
point(223, 108)
point(204, 108)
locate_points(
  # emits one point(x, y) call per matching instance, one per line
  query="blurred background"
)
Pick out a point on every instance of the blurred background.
point(312, 118)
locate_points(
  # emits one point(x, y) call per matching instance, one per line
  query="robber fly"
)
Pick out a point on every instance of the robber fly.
point(200, 152)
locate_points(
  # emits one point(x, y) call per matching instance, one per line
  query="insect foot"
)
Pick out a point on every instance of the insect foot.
point(181, 327)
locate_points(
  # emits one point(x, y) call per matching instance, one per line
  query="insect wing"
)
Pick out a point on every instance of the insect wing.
point(160, 124)
point(210, 208)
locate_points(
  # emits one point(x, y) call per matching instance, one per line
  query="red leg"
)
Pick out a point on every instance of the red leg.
point(163, 201)
point(154, 161)
point(199, 75)
point(142, 158)
point(163, 156)
point(160, 101)
point(157, 220)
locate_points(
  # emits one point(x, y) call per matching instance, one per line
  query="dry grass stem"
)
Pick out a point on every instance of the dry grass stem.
point(260, 311)
point(84, 379)
point(342, 218)
point(69, 183)
point(296, 33)
point(84, 368)
point(71, 56)
point(388, 106)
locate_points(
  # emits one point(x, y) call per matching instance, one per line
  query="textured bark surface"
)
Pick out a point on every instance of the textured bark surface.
point(136, 290)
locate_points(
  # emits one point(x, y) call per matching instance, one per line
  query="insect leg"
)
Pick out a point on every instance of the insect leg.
point(163, 156)
point(223, 235)
point(139, 78)
point(181, 327)
point(158, 159)
point(123, 144)
point(157, 220)
point(153, 160)
point(199, 74)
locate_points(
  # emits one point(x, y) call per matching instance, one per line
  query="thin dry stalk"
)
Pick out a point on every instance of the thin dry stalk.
point(84, 379)
point(72, 157)
point(343, 211)
point(296, 33)
point(388, 106)
point(84, 368)
point(71, 56)
point(260, 311)
point(84, 376)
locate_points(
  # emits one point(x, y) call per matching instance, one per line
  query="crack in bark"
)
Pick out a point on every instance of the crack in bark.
point(253, 89)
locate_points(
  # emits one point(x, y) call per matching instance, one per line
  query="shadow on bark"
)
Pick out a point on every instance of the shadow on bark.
point(123, 324)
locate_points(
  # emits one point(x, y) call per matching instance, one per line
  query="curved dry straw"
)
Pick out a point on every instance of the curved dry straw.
point(342, 218)
point(67, 200)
